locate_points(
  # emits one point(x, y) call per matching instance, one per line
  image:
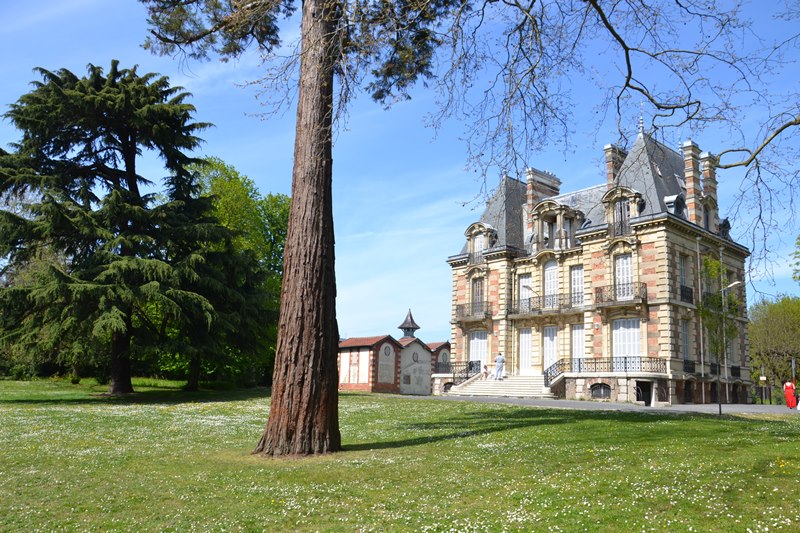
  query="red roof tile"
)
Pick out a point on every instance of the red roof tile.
point(358, 342)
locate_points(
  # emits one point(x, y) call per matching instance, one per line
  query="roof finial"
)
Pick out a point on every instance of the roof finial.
point(408, 326)
point(641, 117)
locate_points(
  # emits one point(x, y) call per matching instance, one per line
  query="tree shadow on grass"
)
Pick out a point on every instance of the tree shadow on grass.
point(645, 429)
point(152, 395)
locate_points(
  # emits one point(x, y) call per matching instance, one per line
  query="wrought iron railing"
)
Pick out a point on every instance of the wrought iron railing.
point(736, 371)
point(475, 257)
point(620, 293)
point(461, 371)
point(687, 294)
point(713, 369)
point(688, 366)
point(653, 365)
point(545, 304)
point(620, 227)
point(472, 310)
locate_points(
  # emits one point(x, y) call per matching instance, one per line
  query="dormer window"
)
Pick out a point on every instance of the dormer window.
point(622, 215)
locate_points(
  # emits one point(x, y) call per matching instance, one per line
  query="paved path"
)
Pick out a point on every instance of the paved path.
point(727, 409)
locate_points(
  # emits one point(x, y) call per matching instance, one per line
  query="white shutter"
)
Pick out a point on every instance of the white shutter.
point(525, 351)
point(551, 284)
point(623, 277)
point(578, 346)
point(550, 349)
point(576, 284)
point(477, 347)
point(525, 292)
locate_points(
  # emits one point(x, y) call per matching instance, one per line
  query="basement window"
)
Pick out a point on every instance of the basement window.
point(600, 391)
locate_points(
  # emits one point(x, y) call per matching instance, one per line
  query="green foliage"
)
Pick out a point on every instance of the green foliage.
point(721, 327)
point(775, 336)
point(99, 271)
point(394, 41)
point(403, 468)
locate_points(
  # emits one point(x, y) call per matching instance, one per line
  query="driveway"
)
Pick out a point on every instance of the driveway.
point(727, 409)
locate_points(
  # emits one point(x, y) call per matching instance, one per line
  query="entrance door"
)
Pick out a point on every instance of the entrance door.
point(549, 348)
point(478, 347)
point(525, 352)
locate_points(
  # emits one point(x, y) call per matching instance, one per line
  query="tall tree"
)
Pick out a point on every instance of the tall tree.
point(507, 66)
point(775, 336)
point(82, 138)
point(259, 226)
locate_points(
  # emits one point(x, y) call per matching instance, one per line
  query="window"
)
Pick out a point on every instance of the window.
point(706, 221)
point(576, 284)
point(623, 277)
point(682, 270)
point(549, 348)
point(478, 242)
point(600, 391)
point(578, 346)
point(568, 233)
point(525, 293)
point(625, 337)
point(622, 211)
point(684, 339)
point(525, 351)
point(477, 296)
point(551, 284)
point(478, 347)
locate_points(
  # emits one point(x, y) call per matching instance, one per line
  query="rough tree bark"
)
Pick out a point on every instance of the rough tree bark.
point(121, 363)
point(304, 413)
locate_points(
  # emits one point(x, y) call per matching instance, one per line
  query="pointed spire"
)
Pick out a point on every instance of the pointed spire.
point(408, 326)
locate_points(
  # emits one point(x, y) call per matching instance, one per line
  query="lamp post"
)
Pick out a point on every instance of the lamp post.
point(723, 291)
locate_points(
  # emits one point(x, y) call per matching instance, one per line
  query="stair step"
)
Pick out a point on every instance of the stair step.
point(511, 386)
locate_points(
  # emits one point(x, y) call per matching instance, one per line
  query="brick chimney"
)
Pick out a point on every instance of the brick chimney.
point(709, 165)
point(614, 158)
point(694, 192)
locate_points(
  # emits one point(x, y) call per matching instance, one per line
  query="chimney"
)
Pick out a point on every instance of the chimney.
point(709, 166)
point(691, 170)
point(541, 185)
point(614, 158)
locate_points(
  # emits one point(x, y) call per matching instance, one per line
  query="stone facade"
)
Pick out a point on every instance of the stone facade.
point(599, 289)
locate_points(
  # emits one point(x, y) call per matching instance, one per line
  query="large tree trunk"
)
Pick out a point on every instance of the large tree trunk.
point(193, 381)
point(120, 364)
point(304, 414)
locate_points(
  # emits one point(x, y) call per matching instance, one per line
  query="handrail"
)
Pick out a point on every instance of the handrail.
point(654, 365)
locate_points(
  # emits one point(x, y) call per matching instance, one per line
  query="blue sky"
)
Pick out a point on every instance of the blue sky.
point(402, 194)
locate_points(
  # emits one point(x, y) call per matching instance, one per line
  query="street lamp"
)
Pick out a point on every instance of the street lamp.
point(724, 344)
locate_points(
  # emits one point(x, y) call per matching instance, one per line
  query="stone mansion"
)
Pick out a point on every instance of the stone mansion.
point(597, 290)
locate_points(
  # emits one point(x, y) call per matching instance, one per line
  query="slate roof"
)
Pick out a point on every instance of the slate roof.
point(654, 170)
point(408, 323)
point(650, 168)
point(504, 213)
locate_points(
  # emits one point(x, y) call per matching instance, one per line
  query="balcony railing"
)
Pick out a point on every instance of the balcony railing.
point(653, 365)
point(475, 258)
point(550, 303)
point(460, 370)
point(620, 294)
point(474, 310)
point(687, 294)
point(688, 367)
point(619, 228)
point(713, 369)
point(736, 371)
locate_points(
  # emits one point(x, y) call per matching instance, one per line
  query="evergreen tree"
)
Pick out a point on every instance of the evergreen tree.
point(125, 254)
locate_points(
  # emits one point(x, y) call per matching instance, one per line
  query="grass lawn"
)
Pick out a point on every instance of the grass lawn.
point(163, 459)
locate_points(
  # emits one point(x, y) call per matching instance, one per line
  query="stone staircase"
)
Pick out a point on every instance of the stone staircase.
point(510, 386)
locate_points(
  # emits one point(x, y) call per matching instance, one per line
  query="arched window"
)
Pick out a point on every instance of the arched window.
point(600, 391)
